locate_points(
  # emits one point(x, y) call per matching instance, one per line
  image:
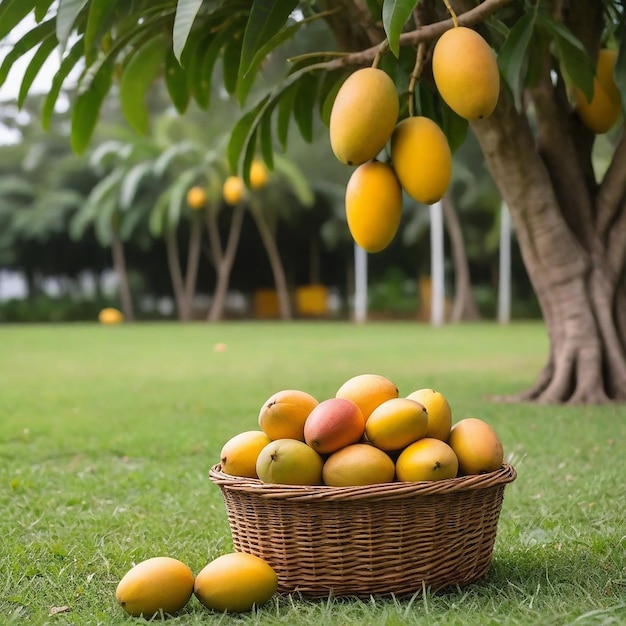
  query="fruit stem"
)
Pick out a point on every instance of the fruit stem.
point(415, 75)
point(384, 46)
point(455, 19)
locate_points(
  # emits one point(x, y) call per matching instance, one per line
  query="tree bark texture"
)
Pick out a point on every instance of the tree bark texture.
point(223, 259)
point(575, 268)
point(464, 306)
point(280, 280)
point(119, 264)
point(176, 275)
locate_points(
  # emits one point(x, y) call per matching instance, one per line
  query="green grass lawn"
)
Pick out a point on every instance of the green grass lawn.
point(107, 435)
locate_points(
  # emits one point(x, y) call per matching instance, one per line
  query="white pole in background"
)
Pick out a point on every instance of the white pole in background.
point(436, 264)
point(504, 279)
point(360, 284)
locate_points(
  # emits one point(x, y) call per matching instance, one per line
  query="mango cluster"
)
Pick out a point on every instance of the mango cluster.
point(364, 120)
point(366, 434)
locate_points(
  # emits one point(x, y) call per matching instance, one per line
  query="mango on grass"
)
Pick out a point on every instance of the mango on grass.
point(466, 73)
point(421, 158)
point(160, 584)
point(235, 582)
point(110, 315)
point(363, 115)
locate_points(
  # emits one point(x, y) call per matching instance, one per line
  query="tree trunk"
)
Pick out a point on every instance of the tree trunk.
point(176, 275)
point(223, 260)
point(193, 260)
point(576, 269)
point(464, 307)
point(119, 265)
point(274, 257)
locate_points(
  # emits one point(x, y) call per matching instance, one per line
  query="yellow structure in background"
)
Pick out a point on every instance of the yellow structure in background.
point(312, 301)
point(266, 303)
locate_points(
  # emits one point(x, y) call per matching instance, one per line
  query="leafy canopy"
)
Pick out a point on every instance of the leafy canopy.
point(187, 43)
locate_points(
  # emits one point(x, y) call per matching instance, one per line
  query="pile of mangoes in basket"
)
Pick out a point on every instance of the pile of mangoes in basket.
point(367, 434)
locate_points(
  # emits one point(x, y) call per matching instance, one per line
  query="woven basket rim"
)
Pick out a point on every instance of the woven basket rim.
point(506, 474)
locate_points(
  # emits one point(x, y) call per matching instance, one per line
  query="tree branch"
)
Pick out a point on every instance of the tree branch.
point(611, 193)
point(422, 34)
point(565, 165)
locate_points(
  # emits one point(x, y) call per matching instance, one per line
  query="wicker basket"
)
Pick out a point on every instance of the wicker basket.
point(393, 538)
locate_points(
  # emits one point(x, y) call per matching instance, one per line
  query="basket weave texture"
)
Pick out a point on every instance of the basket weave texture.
point(393, 538)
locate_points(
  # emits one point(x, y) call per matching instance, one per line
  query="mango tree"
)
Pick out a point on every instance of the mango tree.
point(569, 214)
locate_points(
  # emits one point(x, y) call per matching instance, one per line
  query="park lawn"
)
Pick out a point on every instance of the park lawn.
point(107, 435)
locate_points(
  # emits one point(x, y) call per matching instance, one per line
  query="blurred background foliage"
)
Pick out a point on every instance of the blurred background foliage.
point(61, 215)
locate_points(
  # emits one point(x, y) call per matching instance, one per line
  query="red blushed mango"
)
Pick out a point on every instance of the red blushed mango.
point(333, 424)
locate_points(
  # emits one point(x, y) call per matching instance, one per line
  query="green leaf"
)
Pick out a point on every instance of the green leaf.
point(375, 8)
point(131, 183)
point(176, 82)
point(156, 222)
point(426, 103)
point(245, 81)
point(106, 153)
point(304, 104)
point(230, 64)
point(298, 182)
point(39, 58)
point(241, 132)
point(97, 20)
point(138, 75)
point(67, 65)
point(283, 117)
point(245, 130)
point(329, 96)
point(186, 11)
point(103, 195)
point(513, 53)
point(575, 61)
point(41, 9)
point(265, 141)
point(395, 15)
point(266, 18)
point(22, 46)
point(86, 109)
point(200, 74)
point(168, 156)
point(67, 14)
point(12, 13)
point(249, 154)
point(454, 127)
point(177, 197)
